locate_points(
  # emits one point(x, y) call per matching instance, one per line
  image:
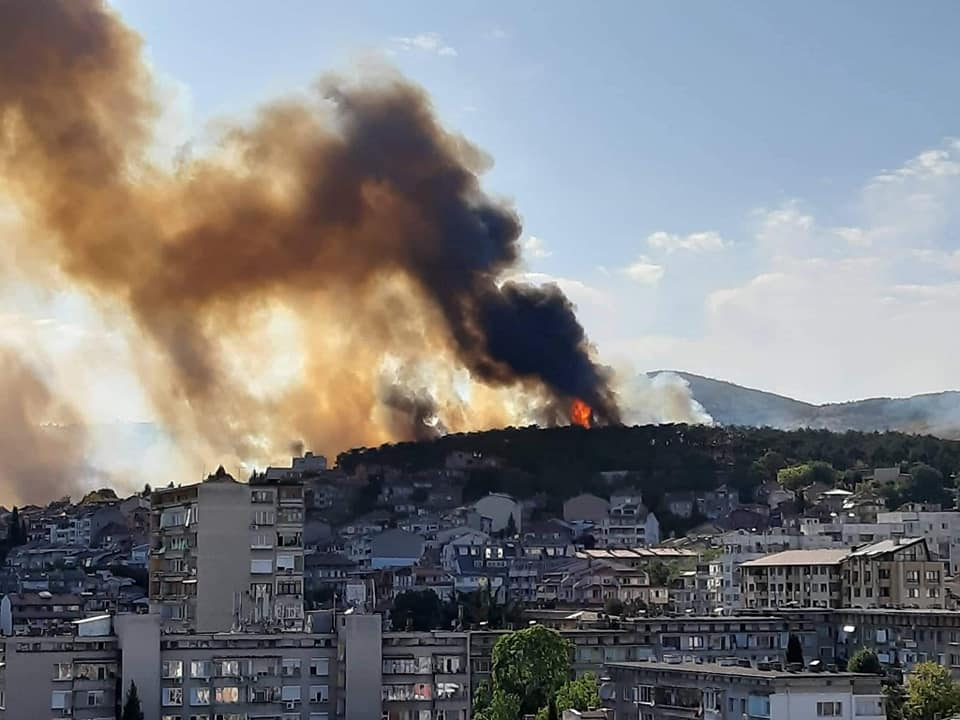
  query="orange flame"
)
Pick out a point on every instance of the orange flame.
point(580, 413)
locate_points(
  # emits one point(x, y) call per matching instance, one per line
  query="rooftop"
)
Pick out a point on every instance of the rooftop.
point(736, 671)
point(885, 546)
point(799, 557)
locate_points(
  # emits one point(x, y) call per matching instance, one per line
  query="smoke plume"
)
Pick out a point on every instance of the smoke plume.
point(42, 443)
point(271, 280)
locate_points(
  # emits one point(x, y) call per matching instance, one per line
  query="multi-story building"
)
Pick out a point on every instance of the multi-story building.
point(228, 555)
point(666, 691)
point(793, 578)
point(628, 524)
point(893, 573)
point(941, 530)
point(739, 546)
point(889, 573)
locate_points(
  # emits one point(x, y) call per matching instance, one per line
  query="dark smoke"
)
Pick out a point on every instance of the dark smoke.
point(354, 210)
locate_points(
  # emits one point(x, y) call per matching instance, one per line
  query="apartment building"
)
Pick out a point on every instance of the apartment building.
point(628, 524)
point(667, 691)
point(740, 546)
point(793, 578)
point(893, 573)
point(228, 555)
point(940, 528)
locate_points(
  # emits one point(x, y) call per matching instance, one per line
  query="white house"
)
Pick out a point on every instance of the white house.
point(499, 507)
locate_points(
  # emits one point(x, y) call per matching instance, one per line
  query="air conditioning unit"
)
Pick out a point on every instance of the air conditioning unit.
point(290, 704)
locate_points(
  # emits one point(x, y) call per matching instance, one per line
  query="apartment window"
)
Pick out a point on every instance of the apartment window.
point(711, 700)
point(263, 517)
point(261, 496)
point(171, 669)
point(869, 706)
point(172, 696)
point(319, 667)
point(290, 693)
point(228, 668)
point(913, 576)
point(289, 587)
point(447, 664)
point(201, 668)
point(286, 563)
point(227, 695)
point(170, 717)
point(94, 698)
point(261, 540)
point(645, 693)
point(883, 573)
point(261, 566)
point(829, 709)
point(200, 717)
point(200, 696)
point(63, 671)
point(913, 592)
point(290, 667)
point(932, 576)
point(319, 693)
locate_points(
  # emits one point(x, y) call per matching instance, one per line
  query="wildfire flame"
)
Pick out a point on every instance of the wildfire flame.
point(580, 413)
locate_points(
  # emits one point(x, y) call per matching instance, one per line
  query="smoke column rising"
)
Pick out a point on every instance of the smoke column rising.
point(350, 214)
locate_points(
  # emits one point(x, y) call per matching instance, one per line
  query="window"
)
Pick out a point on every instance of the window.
point(63, 671)
point(289, 587)
point(171, 669)
point(319, 693)
point(172, 696)
point(169, 717)
point(829, 709)
point(59, 699)
point(94, 698)
point(913, 576)
point(868, 706)
point(261, 567)
point(200, 717)
point(933, 592)
point(758, 706)
point(228, 668)
point(290, 693)
point(645, 693)
point(227, 695)
point(913, 592)
point(290, 667)
point(261, 540)
point(201, 668)
point(319, 667)
point(286, 563)
point(261, 496)
point(263, 517)
point(200, 696)
point(932, 576)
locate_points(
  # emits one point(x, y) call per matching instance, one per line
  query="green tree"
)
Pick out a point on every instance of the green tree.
point(894, 699)
point(419, 610)
point(931, 693)
point(511, 529)
point(16, 530)
point(579, 694)
point(659, 573)
point(864, 660)
point(501, 706)
point(531, 665)
point(131, 708)
point(613, 606)
point(794, 651)
point(800, 476)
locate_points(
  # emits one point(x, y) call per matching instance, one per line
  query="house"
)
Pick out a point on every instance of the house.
point(629, 524)
point(450, 541)
point(585, 508)
point(550, 538)
point(718, 503)
point(834, 499)
point(499, 508)
point(395, 548)
point(680, 504)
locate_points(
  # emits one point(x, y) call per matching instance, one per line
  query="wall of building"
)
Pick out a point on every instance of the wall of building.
point(361, 649)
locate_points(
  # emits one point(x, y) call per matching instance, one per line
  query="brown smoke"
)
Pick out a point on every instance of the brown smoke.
point(338, 235)
point(42, 442)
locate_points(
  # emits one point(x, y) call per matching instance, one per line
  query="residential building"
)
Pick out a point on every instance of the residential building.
point(395, 548)
point(941, 530)
point(586, 508)
point(666, 691)
point(793, 578)
point(893, 573)
point(496, 509)
point(244, 539)
point(628, 524)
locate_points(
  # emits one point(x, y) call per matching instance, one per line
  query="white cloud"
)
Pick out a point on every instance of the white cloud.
point(708, 241)
point(429, 42)
point(534, 247)
point(644, 271)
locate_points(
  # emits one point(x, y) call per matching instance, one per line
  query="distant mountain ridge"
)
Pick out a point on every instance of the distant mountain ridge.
point(730, 404)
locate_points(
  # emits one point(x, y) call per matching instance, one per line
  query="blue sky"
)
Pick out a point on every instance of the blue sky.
point(763, 192)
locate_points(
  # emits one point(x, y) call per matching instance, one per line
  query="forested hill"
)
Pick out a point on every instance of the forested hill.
point(676, 457)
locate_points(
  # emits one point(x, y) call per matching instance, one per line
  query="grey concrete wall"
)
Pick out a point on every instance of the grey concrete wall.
point(363, 665)
point(139, 640)
point(223, 547)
